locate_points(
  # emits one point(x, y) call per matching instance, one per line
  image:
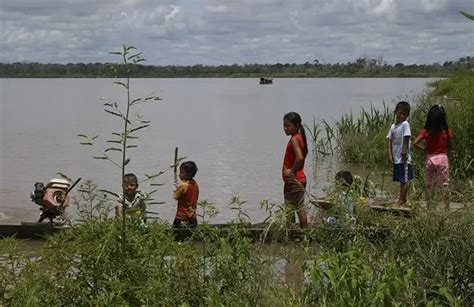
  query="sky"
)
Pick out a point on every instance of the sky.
point(226, 32)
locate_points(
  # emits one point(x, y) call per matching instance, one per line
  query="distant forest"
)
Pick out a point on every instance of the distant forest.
point(362, 67)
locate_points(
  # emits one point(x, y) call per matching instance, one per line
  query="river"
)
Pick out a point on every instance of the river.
point(231, 128)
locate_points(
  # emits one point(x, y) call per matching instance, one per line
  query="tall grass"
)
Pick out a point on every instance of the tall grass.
point(354, 139)
point(360, 139)
point(424, 260)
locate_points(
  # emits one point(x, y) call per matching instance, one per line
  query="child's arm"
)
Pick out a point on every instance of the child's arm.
point(118, 210)
point(119, 206)
point(299, 159)
point(416, 143)
point(389, 151)
point(180, 190)
point(406, 141)
point(145, 198)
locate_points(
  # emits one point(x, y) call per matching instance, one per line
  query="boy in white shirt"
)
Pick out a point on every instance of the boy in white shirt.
point(399, 150)
point(135, 201)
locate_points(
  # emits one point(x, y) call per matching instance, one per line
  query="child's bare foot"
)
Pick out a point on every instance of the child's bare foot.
point(400, 204)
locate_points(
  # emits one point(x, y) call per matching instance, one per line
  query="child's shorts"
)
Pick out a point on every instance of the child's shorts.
point(177, 223)
point(294, 192)
point(437, 170)
point(402, 172)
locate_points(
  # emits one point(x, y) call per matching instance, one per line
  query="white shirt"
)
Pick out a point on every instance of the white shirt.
point(139, 202)
point(396, 134)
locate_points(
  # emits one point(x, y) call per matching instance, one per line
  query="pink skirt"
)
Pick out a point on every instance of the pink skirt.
point(437, 170)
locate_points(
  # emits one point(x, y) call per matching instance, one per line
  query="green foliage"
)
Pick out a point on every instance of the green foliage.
point(363, 140)
point(425, 260)
point(123, 140)
point(91, 203)
point(353, 279)
point(440, 247)
point(467, 15)
point(237, 205)
point(92, 268)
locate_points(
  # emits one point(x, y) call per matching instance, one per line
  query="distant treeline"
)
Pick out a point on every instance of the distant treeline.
point(362, 67)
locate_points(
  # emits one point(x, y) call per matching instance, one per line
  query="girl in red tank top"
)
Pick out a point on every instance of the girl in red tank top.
point(293, 174)
point(437, 138)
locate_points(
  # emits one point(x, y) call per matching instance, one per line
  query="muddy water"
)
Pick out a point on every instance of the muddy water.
point(232, 129)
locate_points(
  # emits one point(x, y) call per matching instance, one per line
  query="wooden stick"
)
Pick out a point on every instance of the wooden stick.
point(175, 159)
point(176, 164)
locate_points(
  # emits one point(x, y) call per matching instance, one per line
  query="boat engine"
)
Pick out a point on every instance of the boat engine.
point(52, 199)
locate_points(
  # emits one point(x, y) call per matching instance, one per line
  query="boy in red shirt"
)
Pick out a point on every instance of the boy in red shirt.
point(187, 194)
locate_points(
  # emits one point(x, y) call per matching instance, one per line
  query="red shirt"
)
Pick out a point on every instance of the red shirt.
point(187, 194)
point(436, 143)
point(290, 157)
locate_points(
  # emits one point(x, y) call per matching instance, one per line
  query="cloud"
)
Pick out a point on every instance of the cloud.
point(229, 31)
point(385, 8)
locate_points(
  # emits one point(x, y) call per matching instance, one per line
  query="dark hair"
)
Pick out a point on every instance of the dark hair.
point(130, 178)
point(189, 167)
point(404, 106)
point(344, 177)
point(295, 119)
point(436, 120)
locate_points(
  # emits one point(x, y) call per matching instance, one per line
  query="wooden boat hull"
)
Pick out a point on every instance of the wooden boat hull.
point(255, 232)
point(266, 80)
point(29, 230)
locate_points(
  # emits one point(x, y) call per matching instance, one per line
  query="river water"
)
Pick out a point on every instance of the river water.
point(231, 128)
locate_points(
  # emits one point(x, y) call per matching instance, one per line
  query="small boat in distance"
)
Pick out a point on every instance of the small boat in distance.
point(264, 80)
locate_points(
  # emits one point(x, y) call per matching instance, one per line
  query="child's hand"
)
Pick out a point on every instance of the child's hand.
point(288, 174)
point(191, 212)
point(404, 157)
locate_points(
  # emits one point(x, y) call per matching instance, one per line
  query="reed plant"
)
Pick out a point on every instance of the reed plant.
point(353, 139)
point(362, 139)
point(124, 139)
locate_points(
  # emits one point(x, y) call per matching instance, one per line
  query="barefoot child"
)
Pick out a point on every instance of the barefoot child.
point(187, 194)
point(293, 163)
point(135, 201)
point(437, 138)
point(399, 150)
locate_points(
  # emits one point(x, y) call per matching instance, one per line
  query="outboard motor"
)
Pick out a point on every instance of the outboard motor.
point(52, 199)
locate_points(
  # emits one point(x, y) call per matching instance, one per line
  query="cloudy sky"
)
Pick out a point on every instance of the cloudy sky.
point(213, 32)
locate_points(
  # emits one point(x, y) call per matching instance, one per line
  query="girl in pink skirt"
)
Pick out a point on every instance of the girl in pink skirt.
point(437, 138)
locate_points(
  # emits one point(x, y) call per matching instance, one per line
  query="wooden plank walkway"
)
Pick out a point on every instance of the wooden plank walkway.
point(386, 205)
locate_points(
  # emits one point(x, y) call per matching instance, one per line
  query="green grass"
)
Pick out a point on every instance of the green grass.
point(382, 260)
